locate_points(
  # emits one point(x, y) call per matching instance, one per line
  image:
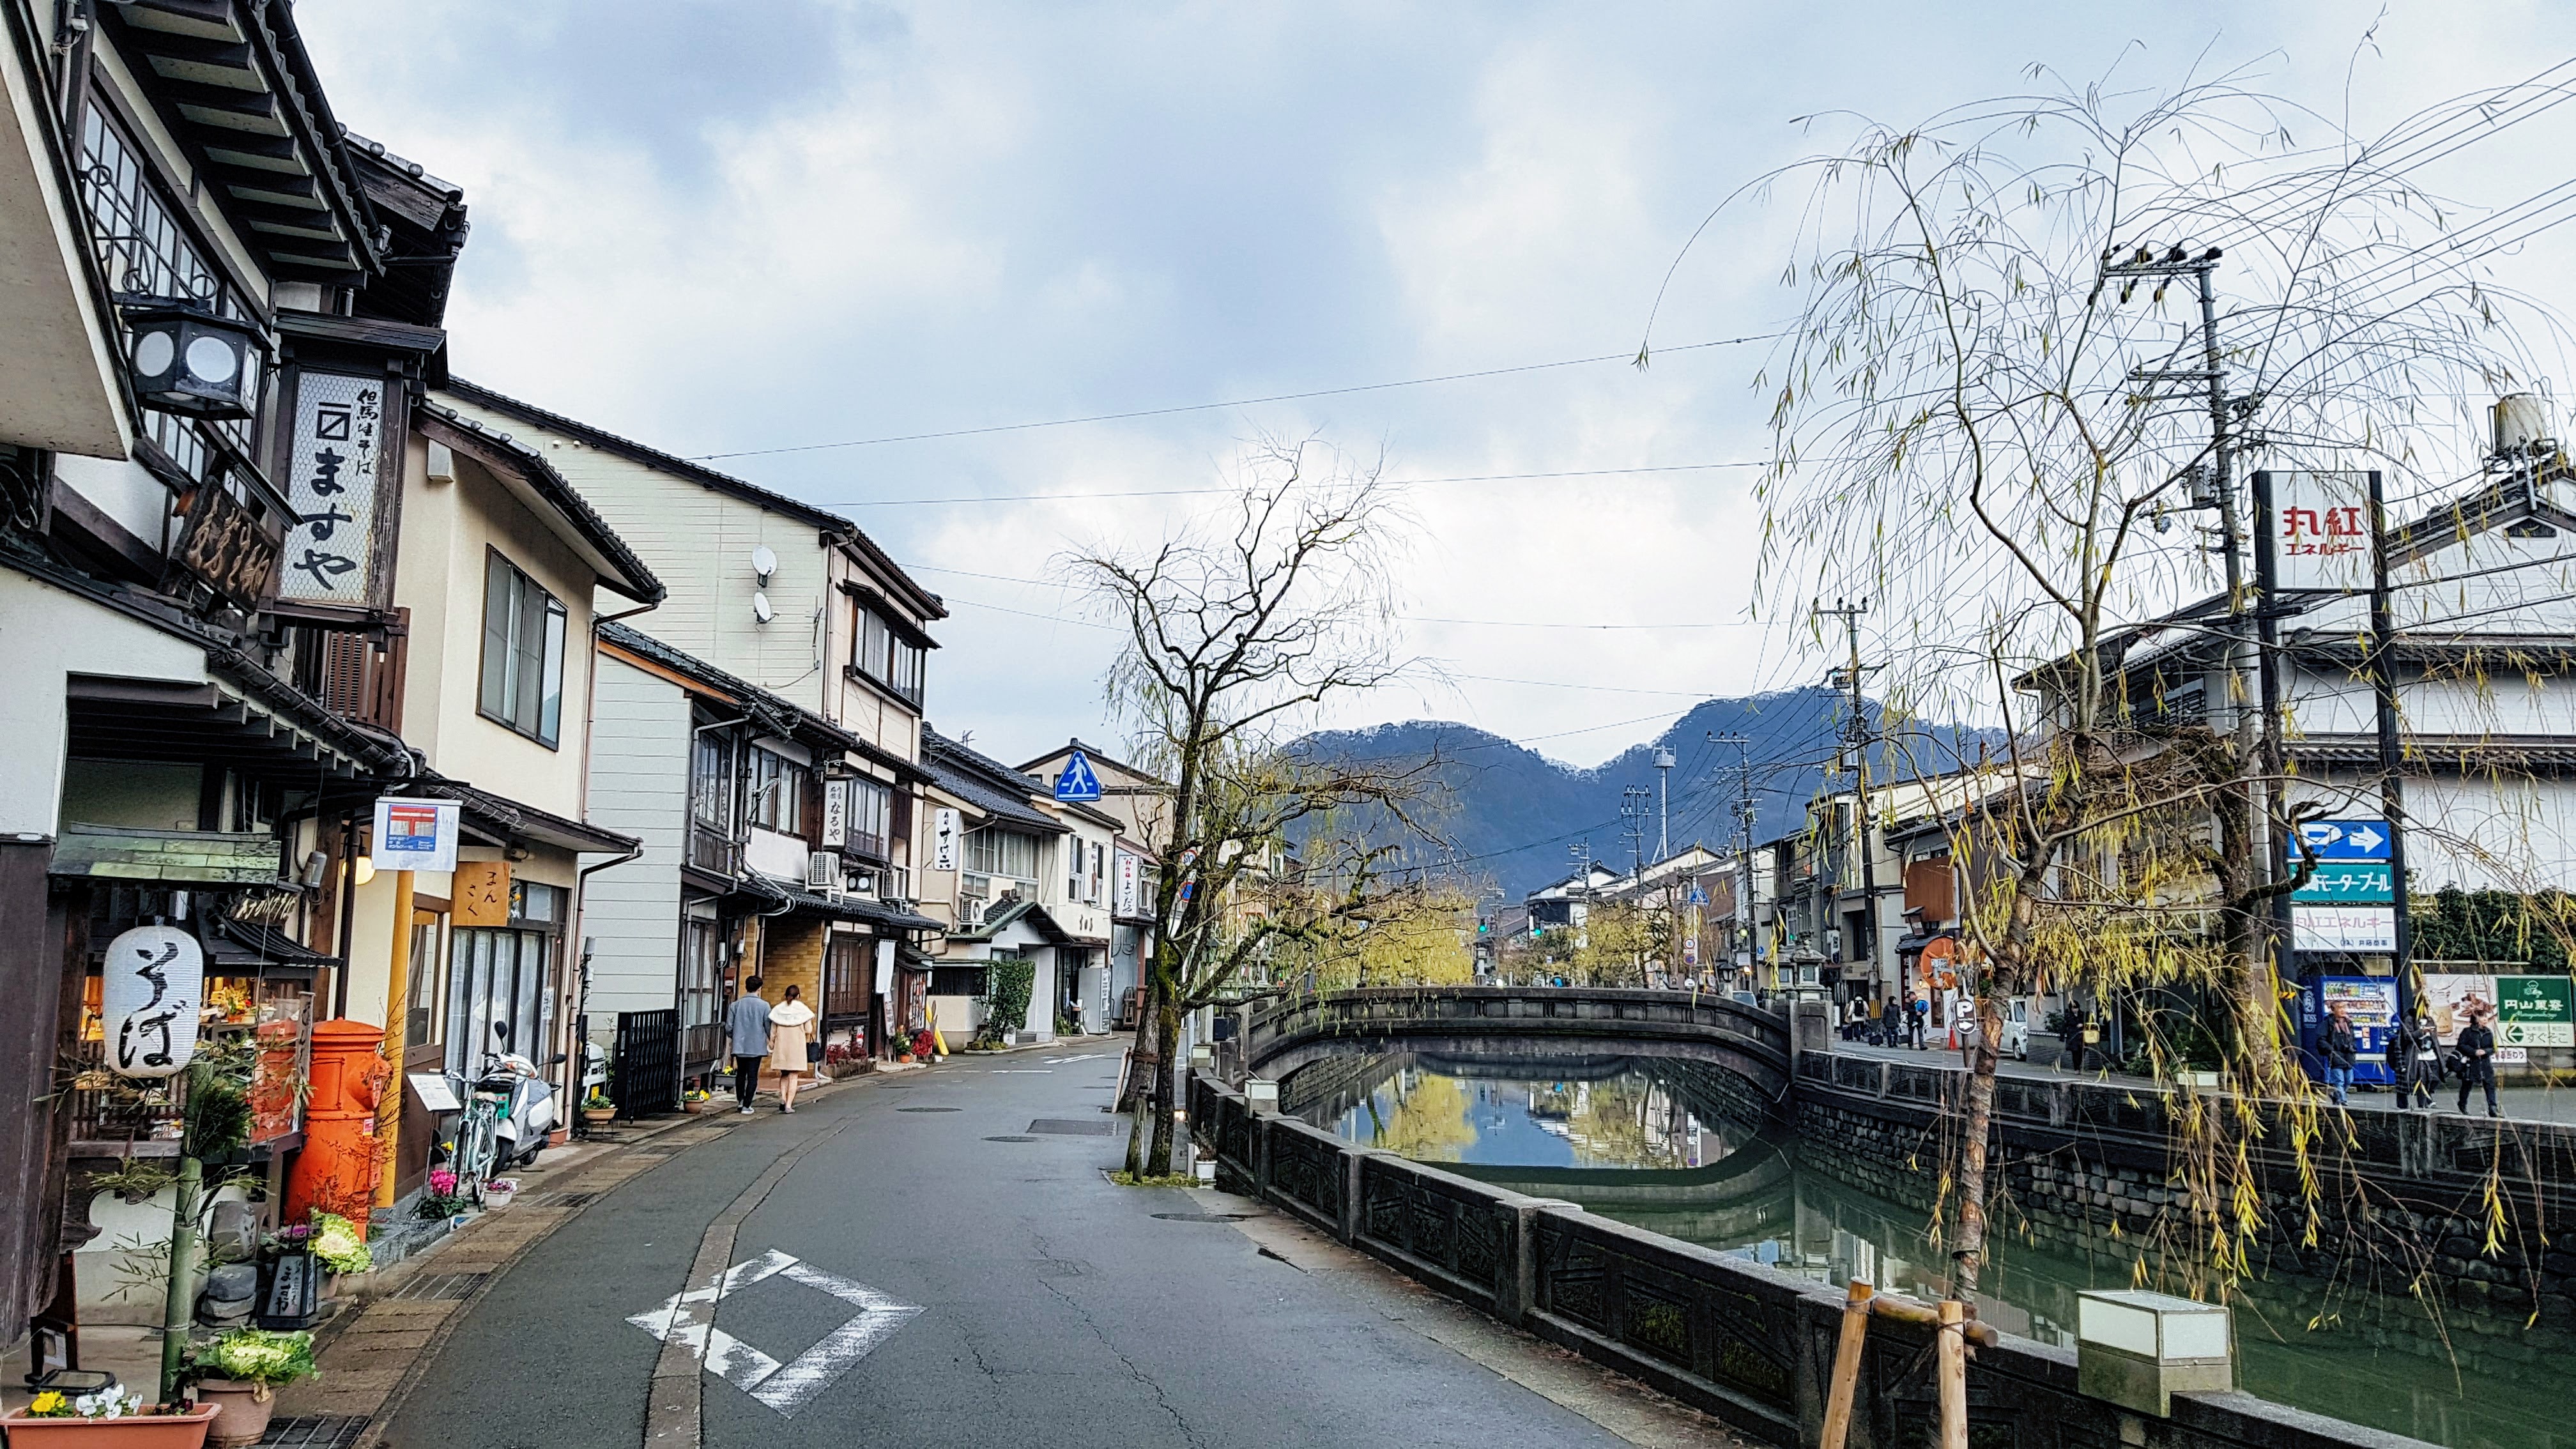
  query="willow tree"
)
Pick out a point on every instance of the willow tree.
point(1240, 629)
point(2000, 393)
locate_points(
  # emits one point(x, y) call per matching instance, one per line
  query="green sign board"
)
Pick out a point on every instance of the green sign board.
point(2348, 882)
point(2534, 1011)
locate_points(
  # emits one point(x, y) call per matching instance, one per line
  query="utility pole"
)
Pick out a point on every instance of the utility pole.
point(1632, 809)
point(2253, 647)
point(1664, 814)
point(1743, 848)
point(1858, 737)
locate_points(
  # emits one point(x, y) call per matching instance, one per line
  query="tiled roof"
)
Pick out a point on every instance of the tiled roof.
point(985, 783)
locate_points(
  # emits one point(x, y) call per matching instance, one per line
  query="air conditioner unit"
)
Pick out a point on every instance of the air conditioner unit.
point(822, 872)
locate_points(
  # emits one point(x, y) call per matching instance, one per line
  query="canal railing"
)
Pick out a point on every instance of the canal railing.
point(1745, 1342)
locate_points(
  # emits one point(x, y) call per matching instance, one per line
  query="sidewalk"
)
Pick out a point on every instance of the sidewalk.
point(2525, 1104)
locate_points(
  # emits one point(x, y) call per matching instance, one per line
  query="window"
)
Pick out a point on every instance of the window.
point(995, 851)
point(499, 979)
point(1099, 874)
point(701, 972)
point(145, 252)
point(523, 653)
point(777, 792)
point(886, 656)
point(871, 828)
point(849, 977)
point(957, 980)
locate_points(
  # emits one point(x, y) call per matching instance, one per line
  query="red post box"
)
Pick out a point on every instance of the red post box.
point(337, 1170)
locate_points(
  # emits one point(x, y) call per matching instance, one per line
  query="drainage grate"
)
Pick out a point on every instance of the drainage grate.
point(314, 1431)
point(1010, 1139)
point(1067, 1127)
point(930, 1109)
point(1203, 1217)
point(560, 1199)
point(437, 1287)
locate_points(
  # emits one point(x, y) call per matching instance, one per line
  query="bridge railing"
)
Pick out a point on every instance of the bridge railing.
point(1398, 1010)
point(1747, 1343)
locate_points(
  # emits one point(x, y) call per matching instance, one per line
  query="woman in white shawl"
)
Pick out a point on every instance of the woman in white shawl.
point(790, 1029)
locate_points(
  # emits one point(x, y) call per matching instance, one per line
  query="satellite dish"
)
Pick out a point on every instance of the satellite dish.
point(763, 562)
point(760, 608)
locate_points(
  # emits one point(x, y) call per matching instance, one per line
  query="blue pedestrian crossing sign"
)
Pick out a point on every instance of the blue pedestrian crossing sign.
point(2344, 839)
point(1697, 897)
point(1077, 785)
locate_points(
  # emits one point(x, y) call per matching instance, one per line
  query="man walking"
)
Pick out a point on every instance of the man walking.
point(2476, 1048)
point(748, 1024)
point(2339, 1049)
point(2411, 1063)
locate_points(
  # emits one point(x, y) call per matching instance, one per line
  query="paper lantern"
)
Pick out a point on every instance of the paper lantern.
point(155, 981)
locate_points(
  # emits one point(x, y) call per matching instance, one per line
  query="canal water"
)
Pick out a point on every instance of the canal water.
point(1638, 1139)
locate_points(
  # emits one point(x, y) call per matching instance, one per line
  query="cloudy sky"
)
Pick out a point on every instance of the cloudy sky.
point(734, 226)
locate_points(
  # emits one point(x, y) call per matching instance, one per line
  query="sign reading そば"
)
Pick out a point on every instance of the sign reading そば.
point(415, 834)
point(331, 484)
point(150, 988)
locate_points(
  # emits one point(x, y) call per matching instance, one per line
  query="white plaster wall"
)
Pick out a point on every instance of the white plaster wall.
point(45, 635)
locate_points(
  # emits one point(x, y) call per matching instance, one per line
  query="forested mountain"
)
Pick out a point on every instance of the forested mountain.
point(1511, 814)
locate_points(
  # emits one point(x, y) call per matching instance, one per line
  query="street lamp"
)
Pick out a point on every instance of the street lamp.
point(188, 358)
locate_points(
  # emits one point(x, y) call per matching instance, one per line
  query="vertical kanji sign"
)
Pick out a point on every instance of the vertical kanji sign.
point(331, 484)
point(153, 982)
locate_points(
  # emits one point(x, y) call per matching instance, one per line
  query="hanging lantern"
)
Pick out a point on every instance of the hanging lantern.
point(188, 358)
point(155, 980)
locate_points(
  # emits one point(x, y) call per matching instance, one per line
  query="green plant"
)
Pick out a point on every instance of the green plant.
point(257, 1356)
point(597, 1101)
point(1007, 987)
point(337, 1246)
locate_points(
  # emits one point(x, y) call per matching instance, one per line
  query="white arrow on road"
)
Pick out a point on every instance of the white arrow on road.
point(688, 1319)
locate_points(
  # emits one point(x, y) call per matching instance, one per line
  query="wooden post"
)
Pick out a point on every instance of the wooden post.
point(397, 1020)
point(1953, 1374)
point(1846, 1380)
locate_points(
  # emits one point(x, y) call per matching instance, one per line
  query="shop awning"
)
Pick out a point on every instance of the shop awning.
point(245, 948)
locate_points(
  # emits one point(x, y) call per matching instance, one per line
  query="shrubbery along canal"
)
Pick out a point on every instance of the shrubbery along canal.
point(1637, 1138)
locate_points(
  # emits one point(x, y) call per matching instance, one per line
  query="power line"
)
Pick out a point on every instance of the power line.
point(1628, 356)
point(1409, 618)
point(1208, 492)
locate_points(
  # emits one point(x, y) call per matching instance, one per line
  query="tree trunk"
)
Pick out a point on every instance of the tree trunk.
point(1140, 1078)
point(1167, 1040)
point(1968, 1246)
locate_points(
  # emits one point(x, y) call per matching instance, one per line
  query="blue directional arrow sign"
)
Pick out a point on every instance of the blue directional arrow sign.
point(1077, 784)
point(2345, 839)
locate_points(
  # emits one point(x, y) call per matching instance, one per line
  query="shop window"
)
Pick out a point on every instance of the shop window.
point(957, 980)
point(499, 978)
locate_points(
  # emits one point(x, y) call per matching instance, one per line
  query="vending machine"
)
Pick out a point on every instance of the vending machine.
point(2369, 1002)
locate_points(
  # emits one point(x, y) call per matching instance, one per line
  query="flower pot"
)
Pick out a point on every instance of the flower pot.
point(134, 1431)
point(241, 1411)
point(903, 1058)
point(599, 1116)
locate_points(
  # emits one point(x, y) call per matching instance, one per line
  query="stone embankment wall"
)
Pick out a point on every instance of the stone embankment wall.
point(2087, 1169)
point(1747, 1343)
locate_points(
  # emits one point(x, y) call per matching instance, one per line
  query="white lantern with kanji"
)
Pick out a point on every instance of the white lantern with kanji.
point(155, 981)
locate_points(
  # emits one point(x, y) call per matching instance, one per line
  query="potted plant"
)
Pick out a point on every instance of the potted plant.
point(694, 1099)
point(240, 1371)
point(597, 1110)
point(338, 1246)
point(111, 1418)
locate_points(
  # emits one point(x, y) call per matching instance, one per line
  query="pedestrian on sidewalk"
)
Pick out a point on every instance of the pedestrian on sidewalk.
point(1918, 1015)
point(748, 1024)
point(792, 1045)
point(2413, 1059)
point(2339, 1049)
point(2071, 1036)
point(2476, 1049)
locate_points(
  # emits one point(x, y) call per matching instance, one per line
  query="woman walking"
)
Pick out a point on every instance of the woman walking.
point(790, 1043)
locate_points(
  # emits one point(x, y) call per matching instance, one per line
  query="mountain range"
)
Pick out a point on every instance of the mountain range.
point(1516, 818)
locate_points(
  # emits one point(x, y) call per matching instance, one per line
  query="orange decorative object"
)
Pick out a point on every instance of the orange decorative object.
point(336, 1172)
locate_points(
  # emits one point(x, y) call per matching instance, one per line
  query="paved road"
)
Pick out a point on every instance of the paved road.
point(2529, 1104)
point(1055, 1308)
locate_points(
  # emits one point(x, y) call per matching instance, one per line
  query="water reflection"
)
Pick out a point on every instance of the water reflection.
point(1649, 1141)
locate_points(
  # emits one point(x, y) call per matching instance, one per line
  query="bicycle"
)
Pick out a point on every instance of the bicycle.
point(475, 1150)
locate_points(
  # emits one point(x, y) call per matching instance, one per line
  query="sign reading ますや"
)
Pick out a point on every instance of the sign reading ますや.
point(415, 834)
point(149, 991)
point(331, 485)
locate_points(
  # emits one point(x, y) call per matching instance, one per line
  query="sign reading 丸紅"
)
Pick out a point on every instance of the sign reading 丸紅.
point(331, 484)
point(2317, 527)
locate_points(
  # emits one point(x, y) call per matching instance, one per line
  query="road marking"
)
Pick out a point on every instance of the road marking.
point(1085, 1057)
point(1021, 1071)
point(687, 1319)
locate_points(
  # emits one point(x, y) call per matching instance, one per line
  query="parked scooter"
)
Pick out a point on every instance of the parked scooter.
point(527, 1109)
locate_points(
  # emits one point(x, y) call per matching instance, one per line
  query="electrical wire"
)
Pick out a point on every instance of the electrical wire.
point(1210, 492)
point(1623, 356)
